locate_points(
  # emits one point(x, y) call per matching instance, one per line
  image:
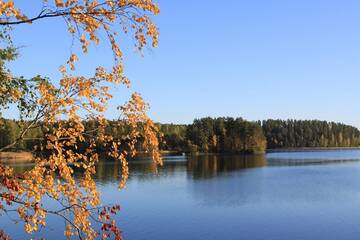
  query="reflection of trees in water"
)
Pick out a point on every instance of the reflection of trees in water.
point(224, 180)
point(141, 170)
point(303, 162)
point(108, 172)
point(228, 180)
point(196, 167)
point(208, 166)
point(282, 186)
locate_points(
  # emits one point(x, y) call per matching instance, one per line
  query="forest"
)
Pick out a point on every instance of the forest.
point(311, 133)
point(218, 135)
point(215, 135)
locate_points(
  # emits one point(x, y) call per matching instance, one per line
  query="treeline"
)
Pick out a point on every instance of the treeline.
point(225, 135)
point(10, 131)
point(217, 135)
point(299, 134)
point(238, 135)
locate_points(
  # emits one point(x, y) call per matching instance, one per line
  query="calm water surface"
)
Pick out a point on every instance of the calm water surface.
point(308, 195)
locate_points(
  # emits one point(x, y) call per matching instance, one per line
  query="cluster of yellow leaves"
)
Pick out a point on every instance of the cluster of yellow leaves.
point(8, 9)
point(63, 106)
point(16, 94)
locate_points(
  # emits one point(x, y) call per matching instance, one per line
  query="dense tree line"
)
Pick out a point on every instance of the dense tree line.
point(238, 135)
point(217, 135)
point(9, 132)
point(225, 135)
point(173, 137)
point(314, 133)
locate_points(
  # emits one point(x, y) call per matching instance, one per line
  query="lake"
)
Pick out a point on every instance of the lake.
point(287, 195)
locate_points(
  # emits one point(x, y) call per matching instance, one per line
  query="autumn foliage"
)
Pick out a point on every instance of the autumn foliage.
point(63, 104)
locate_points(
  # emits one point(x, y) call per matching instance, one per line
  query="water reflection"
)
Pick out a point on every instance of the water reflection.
point(141, 170)
point(316, 155)
point(196, 167)
point(312, 157)
point(185, 198)
point(208, 166)
point(233, 180)
point(211, 165)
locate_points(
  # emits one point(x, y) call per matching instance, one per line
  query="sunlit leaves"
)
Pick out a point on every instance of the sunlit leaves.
point(61, 106)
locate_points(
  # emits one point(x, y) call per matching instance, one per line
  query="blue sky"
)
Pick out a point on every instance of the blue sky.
point(254, 59)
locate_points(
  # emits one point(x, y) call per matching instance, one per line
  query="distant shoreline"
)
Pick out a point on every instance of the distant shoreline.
point(26, 157)
point(310, 149)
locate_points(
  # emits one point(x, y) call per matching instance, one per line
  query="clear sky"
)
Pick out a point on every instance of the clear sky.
point(254, 59)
